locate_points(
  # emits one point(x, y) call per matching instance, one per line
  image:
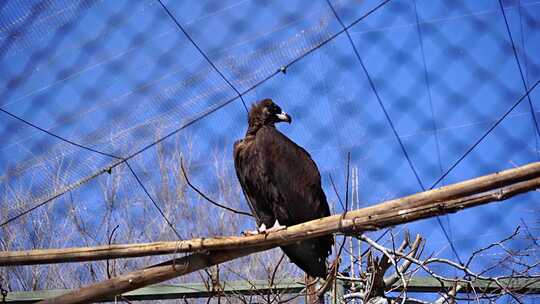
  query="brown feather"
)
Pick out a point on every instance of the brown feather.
point(281, 181)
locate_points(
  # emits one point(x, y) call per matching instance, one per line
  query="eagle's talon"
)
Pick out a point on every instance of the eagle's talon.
point(260, 230)
point(276, 227)
point(250, 232)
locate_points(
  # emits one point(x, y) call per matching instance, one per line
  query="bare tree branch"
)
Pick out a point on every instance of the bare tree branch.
point(206, 197)
point(392, 260)
point(389, 281)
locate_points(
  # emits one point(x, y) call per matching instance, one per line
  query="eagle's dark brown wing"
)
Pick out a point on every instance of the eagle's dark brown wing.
point(282, 182)
point(250, 173)
point(294, 180)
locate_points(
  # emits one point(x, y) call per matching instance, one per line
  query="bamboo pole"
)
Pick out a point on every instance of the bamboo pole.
point(422, 205)
point(448, 199)
point(147, 276)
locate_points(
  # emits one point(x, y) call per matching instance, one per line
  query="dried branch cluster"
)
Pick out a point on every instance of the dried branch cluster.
point(374, 286)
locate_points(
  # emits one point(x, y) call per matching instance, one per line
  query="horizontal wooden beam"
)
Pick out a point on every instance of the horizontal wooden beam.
point(165, 292)
point(448, 199)
point(148, 276)
point(199, 290)
point(516, 285)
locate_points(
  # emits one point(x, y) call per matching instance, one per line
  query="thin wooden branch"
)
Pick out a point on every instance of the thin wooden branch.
point(448, 199)
point(148, 276)
point(199, 192)
point(392, 279)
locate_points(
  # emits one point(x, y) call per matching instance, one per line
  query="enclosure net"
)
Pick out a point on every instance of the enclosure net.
point(421, 93)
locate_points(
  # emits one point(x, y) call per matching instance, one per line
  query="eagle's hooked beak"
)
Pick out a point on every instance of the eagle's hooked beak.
point(284, 117)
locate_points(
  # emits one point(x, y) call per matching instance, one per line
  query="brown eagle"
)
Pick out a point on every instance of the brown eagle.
point(282, 184)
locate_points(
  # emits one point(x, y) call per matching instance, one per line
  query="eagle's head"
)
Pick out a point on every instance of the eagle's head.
point(266, 112)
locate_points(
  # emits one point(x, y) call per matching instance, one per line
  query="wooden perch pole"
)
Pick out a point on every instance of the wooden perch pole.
point(494, 187)
point(144, 277)
point(448, 199)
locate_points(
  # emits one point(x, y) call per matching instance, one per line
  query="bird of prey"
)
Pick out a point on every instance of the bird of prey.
point(282, 184)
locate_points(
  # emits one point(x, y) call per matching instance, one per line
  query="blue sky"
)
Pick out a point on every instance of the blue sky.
point(116, 75)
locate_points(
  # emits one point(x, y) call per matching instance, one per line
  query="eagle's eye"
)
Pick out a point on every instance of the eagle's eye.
point(274, 109)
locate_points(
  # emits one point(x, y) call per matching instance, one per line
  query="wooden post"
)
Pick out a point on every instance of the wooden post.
point(312, 295)
point(338, 292)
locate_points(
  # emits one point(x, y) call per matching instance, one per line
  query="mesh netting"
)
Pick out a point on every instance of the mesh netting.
point(410, 89)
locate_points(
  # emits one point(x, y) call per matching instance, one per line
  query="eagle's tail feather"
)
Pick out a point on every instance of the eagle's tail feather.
point(310, 256)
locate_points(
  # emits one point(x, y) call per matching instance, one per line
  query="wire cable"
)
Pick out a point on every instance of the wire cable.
point(57, 136)
point(434, 126)
point(390, 122)
point(428, 88)
point(153, 201)
point(531, 107)
point(67, 189)
point(376, 93)
point(401, 143)
point(471, 148)
point(200, 117)
point(203, 53)
point(522, 40)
